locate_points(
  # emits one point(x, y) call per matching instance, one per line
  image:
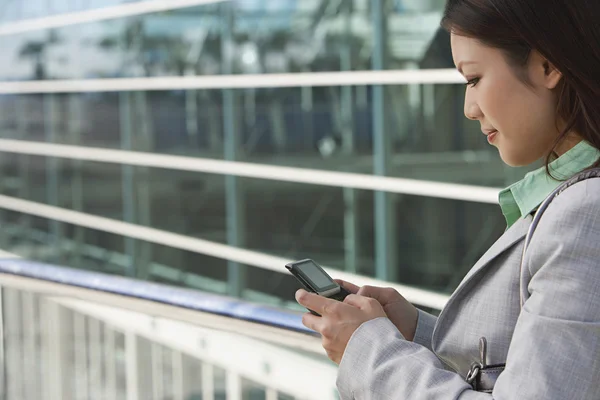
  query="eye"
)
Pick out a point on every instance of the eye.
point(472, 82)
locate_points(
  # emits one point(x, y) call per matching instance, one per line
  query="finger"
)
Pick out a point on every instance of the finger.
point(313, 301)
point(374, 292)
point(351, 287)
point(312, 322)
point(358, 301)
point(368, 291)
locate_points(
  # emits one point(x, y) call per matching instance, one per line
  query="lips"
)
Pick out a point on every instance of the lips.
point(491, 135)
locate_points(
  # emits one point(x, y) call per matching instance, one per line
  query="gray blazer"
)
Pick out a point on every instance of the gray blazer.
point(551, 346)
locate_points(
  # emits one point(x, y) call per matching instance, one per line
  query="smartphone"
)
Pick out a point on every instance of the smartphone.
point(316, 280)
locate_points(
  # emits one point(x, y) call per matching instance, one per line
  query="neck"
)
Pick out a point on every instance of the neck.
point(570, 141)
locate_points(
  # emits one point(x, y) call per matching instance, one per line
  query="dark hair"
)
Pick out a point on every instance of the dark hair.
point(565, 32)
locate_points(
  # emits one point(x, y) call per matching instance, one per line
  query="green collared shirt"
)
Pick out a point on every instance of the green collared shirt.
point(525, 196)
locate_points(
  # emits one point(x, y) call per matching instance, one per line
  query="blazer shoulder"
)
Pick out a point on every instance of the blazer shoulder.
point(570, 224)
point(580, 196)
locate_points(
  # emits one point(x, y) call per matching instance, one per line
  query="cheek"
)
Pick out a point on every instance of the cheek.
point(504, 105)
point(524, 119)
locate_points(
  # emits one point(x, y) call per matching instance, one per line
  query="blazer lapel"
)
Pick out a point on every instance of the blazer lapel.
point(513, 235)
point(516, 233)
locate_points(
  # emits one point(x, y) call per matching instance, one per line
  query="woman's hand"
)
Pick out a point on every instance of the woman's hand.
point(401, 312)
point(338, 320)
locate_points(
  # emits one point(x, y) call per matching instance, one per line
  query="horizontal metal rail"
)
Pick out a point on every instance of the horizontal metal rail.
point(291, 80)
point(450, 191)
point(99, 14)
point(214, 311)
point(256, 259)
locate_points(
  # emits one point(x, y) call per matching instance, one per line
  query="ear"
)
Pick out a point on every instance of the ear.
point(552, 76)
point(544, 72)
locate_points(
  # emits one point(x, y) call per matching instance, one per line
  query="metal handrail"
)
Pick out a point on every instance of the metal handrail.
point(280, 327)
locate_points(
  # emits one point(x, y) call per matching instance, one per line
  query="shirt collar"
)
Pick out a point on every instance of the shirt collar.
point(525, 196)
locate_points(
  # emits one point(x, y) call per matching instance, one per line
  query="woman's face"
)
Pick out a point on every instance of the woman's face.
point(518, 119)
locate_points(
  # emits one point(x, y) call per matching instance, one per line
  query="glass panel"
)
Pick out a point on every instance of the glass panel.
point(250, 36)
point(253, 391)
point(435, 242)
point(192, 381)
point(273, 129)
point(220, 383)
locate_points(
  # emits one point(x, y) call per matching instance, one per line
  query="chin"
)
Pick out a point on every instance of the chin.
point(514, 160)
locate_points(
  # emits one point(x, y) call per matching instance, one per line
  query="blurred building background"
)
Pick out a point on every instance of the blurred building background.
point(221, 123)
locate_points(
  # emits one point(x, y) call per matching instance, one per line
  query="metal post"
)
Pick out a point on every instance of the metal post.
point(157, 370)
point(54, 347)
point(208, 382)
point(75, 128)
point(233, 385)
point(307, 103)
point(234, 192)
point(415, 101)
point(131, 366)
point(23, 113)
point(177, 387)
point(29, 354)
point(385, 260)
point(128, 179)
point(95, 360)
point(351, 238)
point(52, 171)
point(271, 394)
point(429, 105)
point(110, 360)
point(146, 138)
point(14, 345)
point(81, 357)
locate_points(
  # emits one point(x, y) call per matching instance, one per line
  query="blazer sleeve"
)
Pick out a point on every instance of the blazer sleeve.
point(555, 349)
point(425, 325)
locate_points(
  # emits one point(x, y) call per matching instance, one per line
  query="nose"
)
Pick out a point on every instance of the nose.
point(472, 110)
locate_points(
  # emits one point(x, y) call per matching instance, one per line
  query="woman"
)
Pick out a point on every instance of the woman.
point(533, 72)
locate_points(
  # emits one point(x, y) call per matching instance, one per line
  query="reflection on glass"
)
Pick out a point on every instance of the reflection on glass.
point(255, 36)
point(272, 127)
point(435, 240)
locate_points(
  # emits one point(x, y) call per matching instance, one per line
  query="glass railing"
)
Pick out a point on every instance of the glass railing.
point(71, 334)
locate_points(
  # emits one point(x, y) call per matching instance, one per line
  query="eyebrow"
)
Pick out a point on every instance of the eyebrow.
point(460, 65)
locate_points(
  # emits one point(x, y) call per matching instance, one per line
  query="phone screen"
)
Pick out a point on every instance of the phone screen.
point(316, 275)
